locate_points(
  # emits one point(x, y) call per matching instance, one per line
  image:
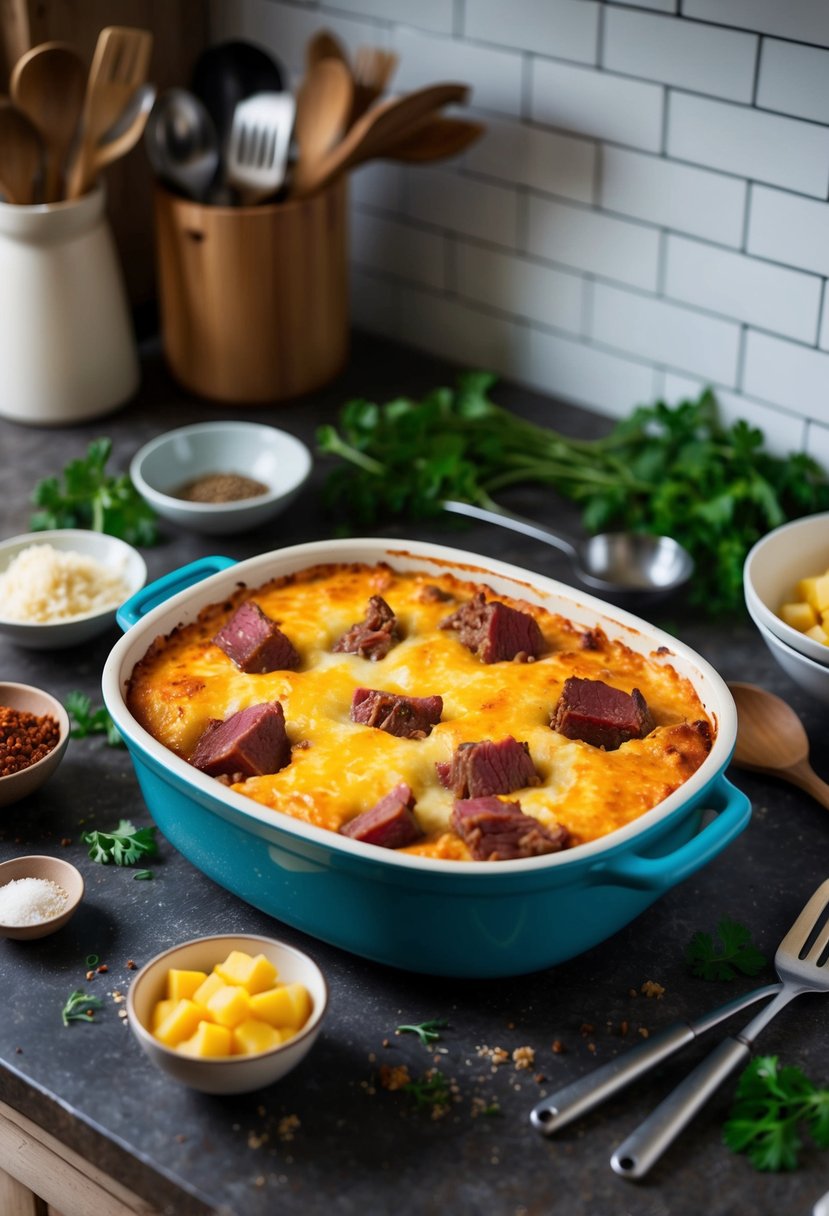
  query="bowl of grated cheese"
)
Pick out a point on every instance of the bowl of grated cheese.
point(59, 588)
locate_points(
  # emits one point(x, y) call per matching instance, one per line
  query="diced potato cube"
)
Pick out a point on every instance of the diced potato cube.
point(821, 592)
point(255, 973)
point(799, 615)
point(208, 1042)
point(182, 984)
point(806, 590)
point(819, 634)
point(288, 1006)
point(180, 1023)
point(160, 1012)
point(253, 1036)
point(229, 1005)
point(205, 990)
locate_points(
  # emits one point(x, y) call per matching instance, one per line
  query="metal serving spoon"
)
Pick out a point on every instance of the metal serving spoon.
point(771, 739)
point(613, 563)
point(182, 143)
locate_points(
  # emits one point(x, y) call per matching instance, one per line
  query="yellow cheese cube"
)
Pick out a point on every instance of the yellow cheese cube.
point(799, 615)
point(253, 1036)
point(229, 1005)
point(288, 1006)
point(182, 984)
point(160, 1012)
point(212, 984)
point(819, 634)
point(254, 973)
point(806, 590)
point(208, 1042)
point(821, 592)
point(180, 1023)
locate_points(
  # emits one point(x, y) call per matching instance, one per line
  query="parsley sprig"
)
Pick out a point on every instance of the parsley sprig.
point(722, 957)
point(86, 496)
point(430, 1091)
point(668, 470)
point(88, 721)
point(427, 1032)
point(771, 1106)
point(124, 846)
point(80, 1007)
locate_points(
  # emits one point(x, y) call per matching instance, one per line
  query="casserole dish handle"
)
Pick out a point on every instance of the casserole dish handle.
point(660, 873)
point(149, 597)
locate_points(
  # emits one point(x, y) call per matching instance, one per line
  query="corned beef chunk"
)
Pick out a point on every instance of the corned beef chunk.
point(494, 632)
point(255, 643)
point(500, 831)
point(390, 823)
point(249, 743)
point(406, 717)
point(374, 637)
point(601, 715)
point(478, 769)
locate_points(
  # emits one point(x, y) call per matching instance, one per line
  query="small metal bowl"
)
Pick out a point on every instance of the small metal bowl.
point(28, 699)
point(53, 869)
point(167, 463)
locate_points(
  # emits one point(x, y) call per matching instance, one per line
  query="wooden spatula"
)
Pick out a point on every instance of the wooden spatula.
point(21, 156)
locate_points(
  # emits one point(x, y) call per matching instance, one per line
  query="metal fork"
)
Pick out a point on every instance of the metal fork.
point(801, 962)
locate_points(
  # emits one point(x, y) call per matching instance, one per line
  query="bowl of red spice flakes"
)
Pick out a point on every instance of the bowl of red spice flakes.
point(34, 732)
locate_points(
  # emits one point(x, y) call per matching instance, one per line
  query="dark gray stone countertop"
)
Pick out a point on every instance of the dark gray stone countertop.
point(359, 1148)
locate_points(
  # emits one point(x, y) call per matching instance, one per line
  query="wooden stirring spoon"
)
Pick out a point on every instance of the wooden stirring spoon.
point(771, 739)
point(48, 85)
point(21, 156)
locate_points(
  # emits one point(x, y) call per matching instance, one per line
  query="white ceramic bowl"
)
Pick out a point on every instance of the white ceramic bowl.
point(233, 1074)
point(118, 557)
point(812, 676)
point(772, 570)
point(170, 461)
point(28, 699)
point(54, 869)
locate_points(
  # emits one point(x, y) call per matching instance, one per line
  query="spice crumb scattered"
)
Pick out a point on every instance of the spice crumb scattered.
point(287, 1126)
point(523, 1057)
point(131, 965)
point(557, 1047)
point(496, 1055)
point(651, 989)
point(586, 1028)
point(644, 1032)
point(256, 1140)
point(394, 1076)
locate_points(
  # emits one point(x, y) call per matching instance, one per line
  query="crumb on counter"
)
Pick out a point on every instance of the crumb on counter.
point(650, 988)
point(523, 1057)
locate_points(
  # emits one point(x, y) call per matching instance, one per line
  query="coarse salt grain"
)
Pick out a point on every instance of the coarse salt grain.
point(43, 584)
point(31, 901)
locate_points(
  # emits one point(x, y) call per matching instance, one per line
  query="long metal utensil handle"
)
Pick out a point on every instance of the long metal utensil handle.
point(576, 1099)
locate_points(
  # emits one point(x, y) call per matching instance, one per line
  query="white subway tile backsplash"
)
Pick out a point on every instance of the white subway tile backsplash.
point(794, 79)
point(800, 20)
point(823, 338)
point(817, 443)
point(666, 333)
point(770, 297)
point(530, 156)
point(658, 6)
point(566, 29)
point(373, 303)
point(435, 15)
point(585, 374)
point(703, 58)
point(782, 433)
point(520, 286)
point(789, 229)
point(672, 195)
point(749, 143)
point(590, 241)
point(464, 334)
point(285, 29)
point(378, 243)
point(462, 204)
point(495, 75)
point(787, 374)
point(597, 104)
point(378, 183)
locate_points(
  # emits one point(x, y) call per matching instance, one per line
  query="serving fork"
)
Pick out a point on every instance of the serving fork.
point(802, 962)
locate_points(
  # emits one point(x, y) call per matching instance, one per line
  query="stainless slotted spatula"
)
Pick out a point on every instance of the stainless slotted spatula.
point(802, 962)
point(260, 137)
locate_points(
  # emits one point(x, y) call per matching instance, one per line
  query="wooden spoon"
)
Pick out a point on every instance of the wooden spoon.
point(15, 33)
point(21, 155)
point(48, 86)
point(436, 138)
point(373, 69)
point(771, 739)
point(324, 45)
point(323, 106)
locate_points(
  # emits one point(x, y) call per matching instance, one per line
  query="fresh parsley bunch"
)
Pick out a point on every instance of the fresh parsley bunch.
point(88, 721)
point(124, 846)
point(723, 956)
point(771, 1107)
point(86, 496)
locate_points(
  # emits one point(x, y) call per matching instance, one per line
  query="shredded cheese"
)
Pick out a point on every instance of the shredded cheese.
point(43, 584)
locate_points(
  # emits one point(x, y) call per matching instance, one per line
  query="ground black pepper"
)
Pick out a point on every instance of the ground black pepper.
point(220, 487)
point(25, 738)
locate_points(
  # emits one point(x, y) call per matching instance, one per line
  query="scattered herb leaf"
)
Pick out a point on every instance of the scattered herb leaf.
point(427, 1032)
point(722, 957)
point(771, 1106)
point(89, 721)
point(86, 496)
point(668, 470)
point(430, 1091)
point(80, 1007)
point(92, 960)
point(143, 874)
point(123, 846)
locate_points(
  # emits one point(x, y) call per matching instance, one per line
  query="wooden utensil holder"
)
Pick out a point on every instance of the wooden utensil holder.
point(254, 300)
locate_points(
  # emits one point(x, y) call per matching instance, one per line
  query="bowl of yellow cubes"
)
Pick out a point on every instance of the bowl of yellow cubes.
point(786, 587)
point(228, 1014)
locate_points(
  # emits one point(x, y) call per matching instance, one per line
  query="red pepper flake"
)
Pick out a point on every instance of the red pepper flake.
point(131, 965)
point(557, 1047)
point(102, 969)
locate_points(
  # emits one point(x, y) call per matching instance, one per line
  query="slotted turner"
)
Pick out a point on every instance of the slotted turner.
point(801, 963)
point(260, 137)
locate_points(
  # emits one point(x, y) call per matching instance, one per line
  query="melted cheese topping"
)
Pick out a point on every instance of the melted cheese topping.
point(339, 769)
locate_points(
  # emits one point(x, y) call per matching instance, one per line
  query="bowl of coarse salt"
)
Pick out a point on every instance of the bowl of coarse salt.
point(59, 588)
point(38, 895)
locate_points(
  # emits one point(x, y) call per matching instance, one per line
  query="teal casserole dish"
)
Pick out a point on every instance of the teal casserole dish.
point(469, 919)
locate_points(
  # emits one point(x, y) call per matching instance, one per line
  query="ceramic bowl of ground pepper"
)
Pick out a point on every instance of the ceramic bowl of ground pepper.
point(38, 895)
point(34, 732)
point(221, 477)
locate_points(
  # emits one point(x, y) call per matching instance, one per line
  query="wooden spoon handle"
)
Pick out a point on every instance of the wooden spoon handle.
point(805, 778)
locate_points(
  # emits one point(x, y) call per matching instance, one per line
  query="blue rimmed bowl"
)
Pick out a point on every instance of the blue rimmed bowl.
point(469, 919)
